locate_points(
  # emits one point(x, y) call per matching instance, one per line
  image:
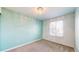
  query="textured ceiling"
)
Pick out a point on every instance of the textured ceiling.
point(50, 12)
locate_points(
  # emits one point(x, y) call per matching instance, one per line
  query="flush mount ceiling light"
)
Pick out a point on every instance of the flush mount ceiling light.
point(40, 10)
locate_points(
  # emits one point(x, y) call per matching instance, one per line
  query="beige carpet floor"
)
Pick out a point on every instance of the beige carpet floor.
point(43, 46)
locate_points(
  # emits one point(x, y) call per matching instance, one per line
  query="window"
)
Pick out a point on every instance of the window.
point(56, 28)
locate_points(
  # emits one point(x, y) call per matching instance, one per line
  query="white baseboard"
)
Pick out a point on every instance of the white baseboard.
point(19, 46)
point(60, 43)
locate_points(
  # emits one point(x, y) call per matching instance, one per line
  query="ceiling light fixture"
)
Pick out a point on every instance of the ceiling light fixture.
point(40, 10)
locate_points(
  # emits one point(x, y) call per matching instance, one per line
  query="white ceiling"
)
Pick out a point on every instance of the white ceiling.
point(51, 12)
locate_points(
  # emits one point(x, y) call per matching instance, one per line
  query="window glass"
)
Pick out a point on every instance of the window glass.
point(56, 28)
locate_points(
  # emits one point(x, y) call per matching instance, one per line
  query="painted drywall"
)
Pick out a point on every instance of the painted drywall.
point(17, 29)
point(0, 9)
point(69, 30)
point(77, 29)
point(0, 32)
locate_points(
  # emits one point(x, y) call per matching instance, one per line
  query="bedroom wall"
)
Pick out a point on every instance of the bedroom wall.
point(69, 30)
point(0, 9)
point(17, 29)
point(0, 32)
point(77, 29)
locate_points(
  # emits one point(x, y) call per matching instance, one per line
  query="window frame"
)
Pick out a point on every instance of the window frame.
point(55, 32)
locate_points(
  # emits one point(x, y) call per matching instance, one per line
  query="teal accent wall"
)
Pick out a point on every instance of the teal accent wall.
point(0, 32)
point(17, 29)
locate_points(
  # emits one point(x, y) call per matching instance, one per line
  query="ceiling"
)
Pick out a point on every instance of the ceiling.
point(50, 12)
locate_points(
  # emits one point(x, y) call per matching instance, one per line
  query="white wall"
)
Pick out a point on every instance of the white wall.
point(0, 9)
point(77, 29)
point(69, 30)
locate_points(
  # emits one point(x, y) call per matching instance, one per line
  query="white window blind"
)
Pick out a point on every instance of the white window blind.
point(56, 28)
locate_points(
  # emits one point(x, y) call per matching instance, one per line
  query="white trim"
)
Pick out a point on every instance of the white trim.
point(19, 46)
point(59, 43)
